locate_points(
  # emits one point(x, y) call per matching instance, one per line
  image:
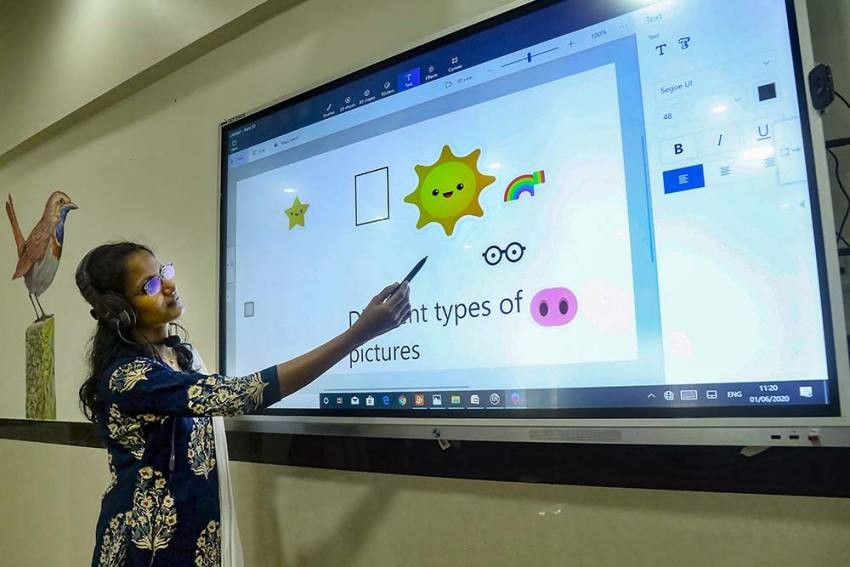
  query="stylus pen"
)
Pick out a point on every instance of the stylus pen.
point(411, 274)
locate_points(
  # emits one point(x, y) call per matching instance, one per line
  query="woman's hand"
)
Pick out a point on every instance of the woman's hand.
point(385, 312)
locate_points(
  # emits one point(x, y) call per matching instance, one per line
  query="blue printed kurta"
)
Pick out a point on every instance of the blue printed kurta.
point(162, 506)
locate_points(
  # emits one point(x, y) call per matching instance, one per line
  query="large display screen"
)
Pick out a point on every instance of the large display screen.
point(616, 201)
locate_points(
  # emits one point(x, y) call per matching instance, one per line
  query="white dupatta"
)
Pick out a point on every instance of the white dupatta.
point(231, 545)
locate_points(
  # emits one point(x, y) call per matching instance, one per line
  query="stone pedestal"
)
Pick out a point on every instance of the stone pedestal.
point(41, 370)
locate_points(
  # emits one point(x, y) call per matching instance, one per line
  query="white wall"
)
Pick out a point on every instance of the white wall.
point(56, 56)
point(293, 517)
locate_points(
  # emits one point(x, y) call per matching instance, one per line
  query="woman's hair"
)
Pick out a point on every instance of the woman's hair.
point(107, 272)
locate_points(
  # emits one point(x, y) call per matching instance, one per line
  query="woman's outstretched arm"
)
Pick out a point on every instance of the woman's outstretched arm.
point(385, 312)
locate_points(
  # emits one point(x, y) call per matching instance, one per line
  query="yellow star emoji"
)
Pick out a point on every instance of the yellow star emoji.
point(296, 213)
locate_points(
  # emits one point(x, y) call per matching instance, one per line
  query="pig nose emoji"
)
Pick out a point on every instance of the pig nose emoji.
point(554, 306)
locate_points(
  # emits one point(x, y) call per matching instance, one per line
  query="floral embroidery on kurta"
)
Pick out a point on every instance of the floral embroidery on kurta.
point(228, 396)
point(208, 546)
point(153, 518)
point(126, 430)
point(201, 452)
point(113, 548)
point(113, 477)
point(126, 376)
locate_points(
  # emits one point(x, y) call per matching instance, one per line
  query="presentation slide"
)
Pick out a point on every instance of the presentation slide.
point(481, 202)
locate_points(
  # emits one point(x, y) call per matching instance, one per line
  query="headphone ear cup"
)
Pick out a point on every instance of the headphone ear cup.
point(127, 318)
point(85, 286)
point(119, 310)
point(111, 308)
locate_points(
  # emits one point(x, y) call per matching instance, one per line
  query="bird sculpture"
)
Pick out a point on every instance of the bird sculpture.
point(39, 254)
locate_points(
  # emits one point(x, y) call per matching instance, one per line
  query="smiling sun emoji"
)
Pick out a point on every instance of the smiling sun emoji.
point(449, 189)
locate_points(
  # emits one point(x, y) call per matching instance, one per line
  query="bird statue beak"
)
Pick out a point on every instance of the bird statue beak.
point(71, 206)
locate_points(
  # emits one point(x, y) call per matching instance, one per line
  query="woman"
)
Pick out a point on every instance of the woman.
point(158, 410)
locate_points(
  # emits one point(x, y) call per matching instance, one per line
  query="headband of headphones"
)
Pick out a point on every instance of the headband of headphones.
point(111, 308)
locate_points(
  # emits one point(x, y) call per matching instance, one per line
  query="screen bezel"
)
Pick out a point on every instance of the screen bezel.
point(827, 414)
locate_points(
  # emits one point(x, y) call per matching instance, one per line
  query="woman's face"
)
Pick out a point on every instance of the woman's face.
point(151, 310)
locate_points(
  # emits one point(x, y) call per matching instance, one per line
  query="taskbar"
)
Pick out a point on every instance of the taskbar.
point(752, 394)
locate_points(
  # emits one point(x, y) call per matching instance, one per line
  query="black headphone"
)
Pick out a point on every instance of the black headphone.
point(111, 308)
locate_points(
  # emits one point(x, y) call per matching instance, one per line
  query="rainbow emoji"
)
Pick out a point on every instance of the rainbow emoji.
point(524, 184)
